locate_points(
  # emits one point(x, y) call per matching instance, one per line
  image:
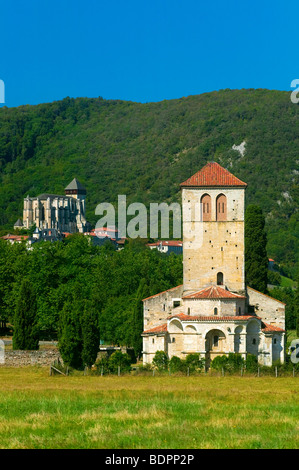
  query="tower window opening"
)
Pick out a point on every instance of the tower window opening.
point(219, 279)
point(221, 207)
point(205, 206)
point(215, 311)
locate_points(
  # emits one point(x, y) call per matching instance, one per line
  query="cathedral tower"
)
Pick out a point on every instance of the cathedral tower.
point(213, 230)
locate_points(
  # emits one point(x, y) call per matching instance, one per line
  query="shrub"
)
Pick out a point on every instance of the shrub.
point(232, 363)
point(251, 363)
point(102, 365)
point(194, 362)
point(175, 364)
point(118, 359)
point(160, 360)
point(219, 363)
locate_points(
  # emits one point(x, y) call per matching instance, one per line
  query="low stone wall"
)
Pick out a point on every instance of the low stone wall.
point(30, 358)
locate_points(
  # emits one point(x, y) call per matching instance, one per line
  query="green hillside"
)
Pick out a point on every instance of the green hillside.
point(146, 150)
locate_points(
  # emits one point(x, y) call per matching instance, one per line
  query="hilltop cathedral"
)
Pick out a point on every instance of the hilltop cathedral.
point(214, 312)
point(51, 211)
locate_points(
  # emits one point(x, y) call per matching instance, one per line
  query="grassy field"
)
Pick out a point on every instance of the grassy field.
point(39, 411)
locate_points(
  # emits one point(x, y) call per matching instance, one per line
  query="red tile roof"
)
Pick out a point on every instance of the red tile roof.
point(269, 328)
point(213, 292)
point(15, 237)
point(168, 290)
point(157, 329)
point(183, 317)
point(167, 243)
point(212, 174)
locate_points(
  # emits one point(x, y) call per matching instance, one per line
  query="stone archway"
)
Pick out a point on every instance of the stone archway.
point(252, 337)
point(215, 344)
point(237, 338)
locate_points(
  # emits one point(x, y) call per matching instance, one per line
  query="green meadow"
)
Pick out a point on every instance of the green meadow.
point(39, 411)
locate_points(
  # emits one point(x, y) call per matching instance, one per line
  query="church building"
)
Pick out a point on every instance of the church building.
point(65, 213)
point(214, 313)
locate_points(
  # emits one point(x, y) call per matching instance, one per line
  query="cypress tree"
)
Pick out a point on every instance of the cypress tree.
point(142, 293)
point(256, 259)
point(297, 306)
point(70, 335)
point(90, 334)
point(25, 336)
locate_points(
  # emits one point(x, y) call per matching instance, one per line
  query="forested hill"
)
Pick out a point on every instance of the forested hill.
point(145, 150)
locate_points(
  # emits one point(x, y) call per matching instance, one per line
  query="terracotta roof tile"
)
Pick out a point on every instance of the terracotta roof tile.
point(167, 243)
point(268, 328)
point(213, 292)
point(157, 329)
point(212, 174)
point(217, 318)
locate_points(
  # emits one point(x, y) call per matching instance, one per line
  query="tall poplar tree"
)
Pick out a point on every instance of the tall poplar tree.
point(256, 259)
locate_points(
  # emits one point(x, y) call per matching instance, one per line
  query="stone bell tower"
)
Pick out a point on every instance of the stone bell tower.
point(213, 230)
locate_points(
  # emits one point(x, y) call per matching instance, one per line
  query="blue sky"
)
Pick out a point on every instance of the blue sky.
point(144, 50)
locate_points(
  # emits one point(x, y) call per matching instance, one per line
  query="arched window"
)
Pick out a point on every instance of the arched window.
point(221, 207)
point(206, 207)
point(219, 279)
point(215, 311)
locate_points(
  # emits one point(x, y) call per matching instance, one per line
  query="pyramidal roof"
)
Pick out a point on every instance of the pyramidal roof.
point(18, 223)
point(75, 184)
point(213, 292)
point(213, 174)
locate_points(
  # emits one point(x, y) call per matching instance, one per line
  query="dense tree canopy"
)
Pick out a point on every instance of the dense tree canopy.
point(146, 150)
point(80, 288)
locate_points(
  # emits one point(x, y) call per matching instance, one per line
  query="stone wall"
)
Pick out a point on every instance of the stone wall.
point(270, 310)
point(30, 358)
point(160, 306)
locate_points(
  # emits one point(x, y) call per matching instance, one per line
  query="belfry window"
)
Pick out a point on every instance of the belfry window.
point(206, 207)
point(221, 207)
point(215, 311)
